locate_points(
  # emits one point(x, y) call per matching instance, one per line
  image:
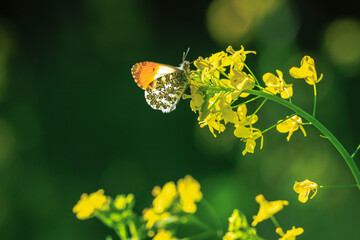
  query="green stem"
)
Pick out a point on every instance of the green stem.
point(259, 107)
point(121, 231)
point(250, 100)
point(275, 222)
point(348, 159)
point(214, 216)
point(196, 221)
point(314, 110)
point(357, 149)
point(204, 235)
point(339, 186)
point(133, 230)
point(252, 74)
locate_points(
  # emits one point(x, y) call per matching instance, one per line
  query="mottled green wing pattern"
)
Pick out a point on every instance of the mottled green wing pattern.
point(167, 91)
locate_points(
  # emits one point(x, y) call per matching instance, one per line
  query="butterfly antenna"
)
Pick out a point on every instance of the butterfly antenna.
point(185, 54)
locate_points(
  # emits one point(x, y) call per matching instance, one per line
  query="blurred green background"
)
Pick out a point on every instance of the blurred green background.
point(72, 120)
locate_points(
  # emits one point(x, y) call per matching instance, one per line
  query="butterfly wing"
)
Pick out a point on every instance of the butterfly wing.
point(167, 92)
point(145, 73)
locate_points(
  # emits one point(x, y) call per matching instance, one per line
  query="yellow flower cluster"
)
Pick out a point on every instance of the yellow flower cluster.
point(216, 84)
point(239, 228)
point(117, 214)
point(89, 204)
point(172, 199)
point(220, 80)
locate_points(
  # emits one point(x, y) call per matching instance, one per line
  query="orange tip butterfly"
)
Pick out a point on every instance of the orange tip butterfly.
point(163, 84)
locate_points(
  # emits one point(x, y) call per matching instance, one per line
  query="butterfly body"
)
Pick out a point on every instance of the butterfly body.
point(163, 84)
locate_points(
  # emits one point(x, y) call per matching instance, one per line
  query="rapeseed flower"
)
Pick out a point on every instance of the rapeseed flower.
point(164, 197)
point(189, 191)
point(239, 228)
point(277, 85)
point(163, 234)
point(89, 204)
point(267, 209)
point(290, 125)
point(306, 71)
point(304, 188)
point(290, 234)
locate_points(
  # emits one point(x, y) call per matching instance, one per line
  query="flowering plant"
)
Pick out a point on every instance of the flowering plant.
point(221, 87)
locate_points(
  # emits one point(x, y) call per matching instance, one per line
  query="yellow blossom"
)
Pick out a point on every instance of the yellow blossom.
point(236, 222)
point(151, 217)
point(290, 234)
point(231, 236)
point(237, 58)
point(241, 81)
point(212, 120)
point(290, 125)
point(267, 209)
point(303, 189)
point(164, 197)
point(245, 120)
point(239, 228)
point(277, 85)
point(189, 191)
point(120, 202)
point(307, 71)
point(163, 234)
point(88, 204)
point(250, 142)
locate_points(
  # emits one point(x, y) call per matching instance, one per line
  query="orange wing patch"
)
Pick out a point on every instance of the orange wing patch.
point(144, 73)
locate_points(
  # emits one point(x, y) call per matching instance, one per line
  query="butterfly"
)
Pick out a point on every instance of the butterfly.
point(163, 84)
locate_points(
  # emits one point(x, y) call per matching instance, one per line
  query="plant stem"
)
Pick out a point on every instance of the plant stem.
point(275, 222)
point(259, 107)
point(339, 186)
point(357, 149)
point(250, 100)
point(214, 215)
point(252, 74)
point(348, 159)
point(314, 110)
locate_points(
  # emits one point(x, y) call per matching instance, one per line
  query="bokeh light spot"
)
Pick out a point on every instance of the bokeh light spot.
point(341, 40)
point(233, 21)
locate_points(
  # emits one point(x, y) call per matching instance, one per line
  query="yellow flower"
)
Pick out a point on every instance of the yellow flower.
point(236, 222)
point(189, 191)
point(267, 209)
point(277, 85)
point(290, 234)
point(151, 217)
point(120, 202)
point(87, 205)
point(239, 228)
point(237, 58)
point(231, 236)
point(303, 189)
point(212, 120)
point(290, 125)
point(241, 81)
point(164, 197)
point(163, 234)
point(307, 71)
